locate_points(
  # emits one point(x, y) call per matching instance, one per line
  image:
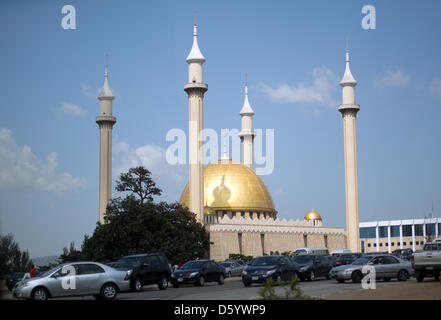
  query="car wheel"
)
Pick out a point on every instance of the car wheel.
point(247, 284)
point(356, 277)
point(109, 291)
point(403, 275)
point(201, 281)
point(163, 283)
point(137, 285)
point(311, 276)
point(221, 279)
point(419, 276)
point(40, 294)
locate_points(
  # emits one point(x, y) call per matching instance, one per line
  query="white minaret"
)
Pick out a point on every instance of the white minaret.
point(195, 89)
point(247, 134)
point(105, 122)
point(349, 110)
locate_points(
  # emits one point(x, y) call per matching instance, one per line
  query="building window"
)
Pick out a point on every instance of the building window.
point(368, 233)
point(395, 231)
point(382, 232)
point(233, 214)
point(375, 245)
point(404, 243)
point(411, 243)
point(326, 240)
point(305, 240)
point(431, 229)
point(239, 237)
point(407, 230)
point(417, 242)
point(369, 245)
point(381, 244)
point(242, 214)
point(419, 230)
point(392, 244)
point(398, 244)
point(262, 240)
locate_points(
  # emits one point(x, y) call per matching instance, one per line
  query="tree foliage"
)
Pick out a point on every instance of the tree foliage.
point(135, 224)
point(138, 182)
point(11, 258)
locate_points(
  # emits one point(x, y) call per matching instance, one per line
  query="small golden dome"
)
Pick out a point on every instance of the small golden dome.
point(231, 186)
point(312, 215)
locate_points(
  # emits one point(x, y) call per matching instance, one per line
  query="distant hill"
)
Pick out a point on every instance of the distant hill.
point(42, 261)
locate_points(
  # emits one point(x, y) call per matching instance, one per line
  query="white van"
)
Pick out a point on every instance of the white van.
point(339, 252)
point(318, 250)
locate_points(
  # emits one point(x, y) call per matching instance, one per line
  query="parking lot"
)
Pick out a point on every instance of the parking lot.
point(233, 289)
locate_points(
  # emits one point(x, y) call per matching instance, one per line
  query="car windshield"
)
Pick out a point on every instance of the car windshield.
point(192, 265)
point(49, 271)
point(362, 260)
point(128, 262)
point(264, 261)
point(303, 258)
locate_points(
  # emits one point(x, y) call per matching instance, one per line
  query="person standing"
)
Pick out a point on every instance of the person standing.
point(33, 271)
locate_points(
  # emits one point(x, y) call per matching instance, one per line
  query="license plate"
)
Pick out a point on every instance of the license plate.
point(180, 279)
point(254, 278)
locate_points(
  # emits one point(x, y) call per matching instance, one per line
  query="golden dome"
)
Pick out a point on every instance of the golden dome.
point(312, 215)
point(231, 186)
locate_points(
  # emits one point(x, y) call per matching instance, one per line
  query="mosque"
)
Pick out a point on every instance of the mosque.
point(229, 198)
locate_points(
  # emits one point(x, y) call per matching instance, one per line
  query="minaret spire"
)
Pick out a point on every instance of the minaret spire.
point(105, 123)
point(247, 134)
point(349, 110)
point(196, 89)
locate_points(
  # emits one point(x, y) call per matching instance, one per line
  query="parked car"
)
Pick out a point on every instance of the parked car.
point(15, 277)
point(312, 266)
point(427, 262)
point(404, 254)
point(347, 258)
point(315, 250)
point(148, 268)
point(242, 263)
point(386, 268)
point(85, 278)
point(338, 252)
point(232, 268)
point(278, 267)
point(198, 272)
point(332, 260)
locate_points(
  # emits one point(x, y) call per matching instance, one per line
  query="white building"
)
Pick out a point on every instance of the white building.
point(398, 234)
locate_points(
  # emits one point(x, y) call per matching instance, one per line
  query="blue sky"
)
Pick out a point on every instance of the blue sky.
point(293, 52)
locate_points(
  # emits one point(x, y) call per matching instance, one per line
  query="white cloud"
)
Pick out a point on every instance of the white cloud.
point(89, 91)
point(70, 109)
point(392, 78)
point(318, 92)
point(21, 170)
point(435, 89)
point(170, 178)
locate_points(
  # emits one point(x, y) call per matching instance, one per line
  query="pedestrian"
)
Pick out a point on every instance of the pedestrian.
point(33, 271)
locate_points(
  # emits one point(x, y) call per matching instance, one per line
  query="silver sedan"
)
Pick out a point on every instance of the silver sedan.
point(75, 279)
point(232, 268)
point(386, 267)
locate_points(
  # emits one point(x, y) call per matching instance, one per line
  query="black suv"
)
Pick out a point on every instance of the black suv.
point(312, 266)
point(149, 268)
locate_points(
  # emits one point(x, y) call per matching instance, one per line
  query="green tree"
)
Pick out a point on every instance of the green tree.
point(138, 182)
point(71, 254)
point(11, 258)
point(134, 225)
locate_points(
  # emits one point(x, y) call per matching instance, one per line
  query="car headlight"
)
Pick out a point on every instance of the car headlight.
point(347, 271)
point(173, 275)
point(270, 272)
point(22, 285)
point(194, 274)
